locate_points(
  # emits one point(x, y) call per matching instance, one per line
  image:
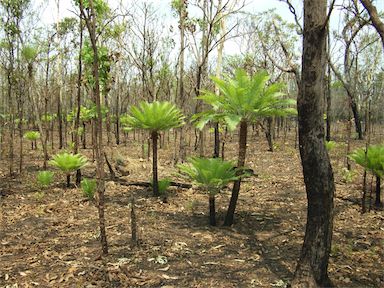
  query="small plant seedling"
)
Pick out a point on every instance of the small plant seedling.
point(68, 163)
point(39, 195)
point(44, 178)
point(88, 186)
point(330, 145)
point(192, 205)
point(32, 136)
point(347, 175)
point(163, 185)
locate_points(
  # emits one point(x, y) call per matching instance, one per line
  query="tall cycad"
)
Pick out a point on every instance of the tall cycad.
point(155, 117)
point(243, 100)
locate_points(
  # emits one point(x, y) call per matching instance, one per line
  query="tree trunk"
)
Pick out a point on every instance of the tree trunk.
point(212, 210)
point(240, 163)
point(378, 190)
point(78, 102)
point(311, 270)
point(90, 20)
point(375, 18)
point(155, 180)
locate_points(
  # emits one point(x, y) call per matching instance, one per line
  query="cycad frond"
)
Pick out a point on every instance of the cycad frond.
point(247, 98)
point(211, 174)
point(155, 116)
point(68, 162)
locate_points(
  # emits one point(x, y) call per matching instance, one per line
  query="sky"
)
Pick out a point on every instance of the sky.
point(50, 14)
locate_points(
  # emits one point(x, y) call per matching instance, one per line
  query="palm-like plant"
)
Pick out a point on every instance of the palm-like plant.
point(243, 100)
point(154, 117)
point(372, 160)
point(68, 163)
point(211, 175)
point(32, 136)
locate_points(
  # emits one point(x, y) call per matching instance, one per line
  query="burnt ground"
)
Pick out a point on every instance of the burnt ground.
point(49, 237)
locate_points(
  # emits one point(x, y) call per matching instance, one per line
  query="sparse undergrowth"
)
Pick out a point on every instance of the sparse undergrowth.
point(51, 239)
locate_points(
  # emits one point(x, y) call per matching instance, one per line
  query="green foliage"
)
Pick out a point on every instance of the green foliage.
point(244, 98)
point(163, 185)
point(372, 159)
point(88, 186)
point(330, 145)
point(210, 174)
point(347, 175)
point(32, 135)
point(68, 162)
point(155, 116)
point(48, 117)
point(105, 62)
point(100, 6)
point(29, 53)
point(45, 178)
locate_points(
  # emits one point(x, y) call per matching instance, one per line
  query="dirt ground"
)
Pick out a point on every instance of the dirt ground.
point(49, 237)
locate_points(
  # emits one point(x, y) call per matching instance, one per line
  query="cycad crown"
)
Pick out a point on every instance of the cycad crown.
point(211, 174)
point(244, 98)
point(155, 116)
point(68, 162)
point(32, 135)
point(373, 160)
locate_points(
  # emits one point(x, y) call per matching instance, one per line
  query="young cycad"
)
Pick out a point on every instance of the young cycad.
point(68, 163)
point(155, 117)
point(211, 175)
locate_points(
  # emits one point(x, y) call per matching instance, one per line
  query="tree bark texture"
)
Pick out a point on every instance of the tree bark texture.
point(155, 180)
point(212, 210)
point(240, 163)
point(311, 270)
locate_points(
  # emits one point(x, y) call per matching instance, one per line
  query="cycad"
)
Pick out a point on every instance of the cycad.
point(243, 100)
point(32, 136)
point(68, 163)
point(373, 161)
point(154, 117)
point(211, 175)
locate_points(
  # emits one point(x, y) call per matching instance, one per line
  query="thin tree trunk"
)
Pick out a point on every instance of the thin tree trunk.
point(90, 20)
point(78, 102)
point(240, 163)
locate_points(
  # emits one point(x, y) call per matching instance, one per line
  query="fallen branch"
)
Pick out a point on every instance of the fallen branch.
point(148, 184)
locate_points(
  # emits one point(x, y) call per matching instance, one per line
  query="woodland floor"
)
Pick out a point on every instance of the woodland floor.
point(49, 237)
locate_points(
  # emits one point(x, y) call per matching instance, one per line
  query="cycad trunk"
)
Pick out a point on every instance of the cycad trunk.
point(155, 180)
point(378, 190)
point(240, 163)
point(212, 210)
point(311, 270)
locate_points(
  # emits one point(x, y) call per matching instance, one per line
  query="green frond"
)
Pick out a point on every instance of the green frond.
point(31, 135)
point(155, 116)
point(68, 162)
point(210, 174)
point(249, 98)
point(372, 159)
